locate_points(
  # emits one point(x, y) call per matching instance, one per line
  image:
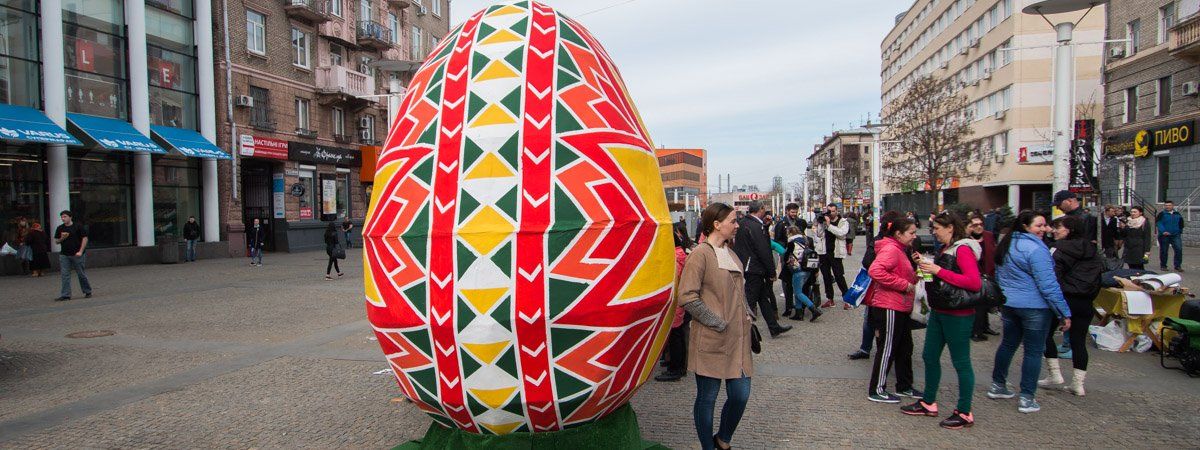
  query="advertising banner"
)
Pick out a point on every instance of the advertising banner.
point(277, 183)
point(324, 154)
point(262, 147)
point(1083, 154)
point(328, 196)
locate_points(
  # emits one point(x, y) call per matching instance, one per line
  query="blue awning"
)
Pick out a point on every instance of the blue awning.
point(111, 134)
point(25, 124)
point(187, 142)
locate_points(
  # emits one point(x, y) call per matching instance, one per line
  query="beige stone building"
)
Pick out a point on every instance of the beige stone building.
point(845, 158)
point(1001, 60)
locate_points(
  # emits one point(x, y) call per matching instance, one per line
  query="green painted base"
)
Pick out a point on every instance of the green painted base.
point(618, 430)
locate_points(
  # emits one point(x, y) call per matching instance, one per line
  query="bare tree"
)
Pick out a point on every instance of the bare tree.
point(931, 123)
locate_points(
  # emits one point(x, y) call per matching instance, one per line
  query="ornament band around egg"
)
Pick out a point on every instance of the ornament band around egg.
point(518, 252)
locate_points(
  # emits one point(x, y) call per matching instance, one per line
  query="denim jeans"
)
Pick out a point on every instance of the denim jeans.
point(68, 263)
point(347, 234)
point(868, 331)
point(799, 278)
point(190, 253)
point(255, 255)
point(1027, 326)
point(1173, 240)
point(737, 393)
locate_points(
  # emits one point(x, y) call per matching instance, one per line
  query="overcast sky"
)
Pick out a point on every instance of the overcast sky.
point(756, 83)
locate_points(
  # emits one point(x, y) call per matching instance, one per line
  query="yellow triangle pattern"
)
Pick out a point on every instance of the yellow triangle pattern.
point(496, 70)
point(500, 37)
point(486, 230)
point(494, 398)
point(495, 115)
point(486, 352)
point(483, 299)
point(501, 429)
point(506, 10)
point(490, 166)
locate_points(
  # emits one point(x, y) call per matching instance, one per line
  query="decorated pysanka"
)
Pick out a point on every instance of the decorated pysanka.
point(519, 258)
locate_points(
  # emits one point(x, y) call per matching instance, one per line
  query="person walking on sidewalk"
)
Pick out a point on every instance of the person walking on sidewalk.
point(711, 289)
point(255, 237)
point(791, 218)
point(957, 265)
point(830, 243)
point(798, 251)
point(191, 232)
point(1170, 234)
point(893, 282)
point(987, 266)
point(1077, 266)
point(1026, 276)
point(753, 249)
point(72, 238)
point(1137, 235)
point(39, 248)
point(677, 338)
point(331, 249)
point(347, 225)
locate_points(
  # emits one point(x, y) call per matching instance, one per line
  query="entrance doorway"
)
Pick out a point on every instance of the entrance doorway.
point(257, 197)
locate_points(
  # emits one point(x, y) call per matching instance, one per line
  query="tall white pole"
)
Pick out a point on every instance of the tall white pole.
point(210, 211)
point(55, 101)
point(829, 184)
point(876, 187)
point(1064, 87)
point(139, 115)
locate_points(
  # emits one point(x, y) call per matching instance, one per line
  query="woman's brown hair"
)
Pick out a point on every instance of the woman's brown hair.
point(715, 212)
point(951, 220)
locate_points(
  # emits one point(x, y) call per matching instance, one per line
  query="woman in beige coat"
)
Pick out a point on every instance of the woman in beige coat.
point(712, 289)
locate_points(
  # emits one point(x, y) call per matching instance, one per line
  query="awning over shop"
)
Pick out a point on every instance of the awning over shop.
point(25, 124)
point(110, 134)
point(187, 142)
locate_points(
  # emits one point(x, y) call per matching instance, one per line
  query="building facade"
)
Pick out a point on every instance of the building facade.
point(105, 110)
point(1151, 106)
point(685, 176)
point(844, 159)
point(303, 102)
point(1001, 61)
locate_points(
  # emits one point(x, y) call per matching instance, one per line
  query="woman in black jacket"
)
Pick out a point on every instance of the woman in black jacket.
point(331, 243)
point(1077, 265)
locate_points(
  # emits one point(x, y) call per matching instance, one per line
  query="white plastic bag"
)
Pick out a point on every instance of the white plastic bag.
point(7, 250)
point(1109, 337)
point(920, 312)
point(1142, 343)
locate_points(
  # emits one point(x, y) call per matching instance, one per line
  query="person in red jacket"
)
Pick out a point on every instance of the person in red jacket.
point(677, 339)
point(987, 266)
point(957, 266)
point(893, 282)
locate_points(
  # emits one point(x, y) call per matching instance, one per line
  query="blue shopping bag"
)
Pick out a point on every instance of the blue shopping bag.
point(858, 290)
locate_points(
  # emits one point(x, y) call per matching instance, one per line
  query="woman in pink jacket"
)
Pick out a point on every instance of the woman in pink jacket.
point(893, 281)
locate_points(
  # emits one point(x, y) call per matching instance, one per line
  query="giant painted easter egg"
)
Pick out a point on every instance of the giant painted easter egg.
point(518, 249)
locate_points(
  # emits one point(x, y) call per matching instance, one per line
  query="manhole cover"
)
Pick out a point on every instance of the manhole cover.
point(91, 334)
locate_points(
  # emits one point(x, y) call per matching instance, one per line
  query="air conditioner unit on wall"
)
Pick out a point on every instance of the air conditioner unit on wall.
point(974, 42)
point(421, 8)
point(364, 134)
point(964, 50)
point(1001, 157)
point(1189, 88)
point(244, 100)
point(987, 75)
point(364, 122)
point(1116, 52)
point(999, 115)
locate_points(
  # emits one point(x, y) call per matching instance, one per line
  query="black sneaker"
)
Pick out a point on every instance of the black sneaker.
point(920, 408)
point(911, 393)
point(991, 332)
point(781, 330)
point(87, 295)
point(958, 420)
point(884, 397)
point(978, 337)
point(62, 299)
point(668, 376)
point(859, 355)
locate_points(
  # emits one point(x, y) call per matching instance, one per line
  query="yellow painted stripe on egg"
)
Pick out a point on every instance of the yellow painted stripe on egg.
point(490, 166)
point(500, 37)
point(486, 230)
point(496, 70)
point(504, 428)
point(494, 398)
point(486, 352)
point(506, 10)
point(495, 115)
point(483, 299)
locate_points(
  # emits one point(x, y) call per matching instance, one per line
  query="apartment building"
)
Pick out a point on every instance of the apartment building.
point(844, 157)
point(1151, 105)
point(303, 95)
point(1001, 60)
point(685, 176)
point(102, 112)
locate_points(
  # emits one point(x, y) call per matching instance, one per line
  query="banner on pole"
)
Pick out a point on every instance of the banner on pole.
point(1083, 157)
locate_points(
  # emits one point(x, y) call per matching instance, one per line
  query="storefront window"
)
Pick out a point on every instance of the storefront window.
point(329, 197)
point(22, 190)
point(94, 56)
point(171, 62)
point(308, 201)
point(102, 196)
point(176, 194)
point(20, 72)
point(343, 195)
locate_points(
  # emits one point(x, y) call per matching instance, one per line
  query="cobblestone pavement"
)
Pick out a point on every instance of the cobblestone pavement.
point(219, 354)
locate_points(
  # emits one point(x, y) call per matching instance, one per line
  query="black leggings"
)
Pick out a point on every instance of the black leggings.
point(1081, 318)
point(332, 265)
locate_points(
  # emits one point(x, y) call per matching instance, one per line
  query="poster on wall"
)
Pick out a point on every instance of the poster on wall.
point(278, 193)
point(328, 198)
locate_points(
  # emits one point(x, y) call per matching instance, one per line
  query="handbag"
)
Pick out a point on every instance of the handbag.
point(858, 291)
point(339, 252)
point(811, 259)
point(755, 339)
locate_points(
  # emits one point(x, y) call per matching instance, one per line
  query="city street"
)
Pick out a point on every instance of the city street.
point(219, 354)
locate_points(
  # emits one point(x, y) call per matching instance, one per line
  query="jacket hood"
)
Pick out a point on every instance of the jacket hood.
point(880, 244)
point(1076, 248)
point(970, 243)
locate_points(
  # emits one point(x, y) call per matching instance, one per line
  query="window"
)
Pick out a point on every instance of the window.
point(1164, 97)
point(433, 42)
point(101, 197)
point(302, 124)
point(415, 49)
point(256, 32)
point(1164, 178)
point(364, 10)
point(1128, 179)
point(339, 122)
point(308, 200)
point(335, 54)
point(343, 195)
point(436, 7)
point(171, 63)
point(1131, 105)
point(1000, 143)
point(1006, 57)
point(1133, 32)
point(394, 26)
point(22, 187)
point(299, 48)
point(260, 114)
point(1166, 20)
point(96, 67)
point(176, 194)
point(335, 7)
point(20, 55)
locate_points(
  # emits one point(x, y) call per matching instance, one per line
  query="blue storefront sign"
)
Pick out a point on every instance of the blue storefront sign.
point(25, 124)
point(187, 142)
point(111, 134)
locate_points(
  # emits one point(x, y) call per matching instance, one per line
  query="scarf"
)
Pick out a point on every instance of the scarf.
point(1136, 222)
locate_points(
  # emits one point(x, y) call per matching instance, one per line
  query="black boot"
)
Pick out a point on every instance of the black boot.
point(816, 312)
point(798, 314)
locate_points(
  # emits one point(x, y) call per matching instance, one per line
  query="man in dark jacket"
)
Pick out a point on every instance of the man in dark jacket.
point(1170, 234)
point(791, 218)
point(256, 235)
point(1110, 232)
point(753, 248)
point(987, 266)
point(1068, 202)
point(191, 232)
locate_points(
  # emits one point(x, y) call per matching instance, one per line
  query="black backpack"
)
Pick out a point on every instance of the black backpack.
point(1083, 279)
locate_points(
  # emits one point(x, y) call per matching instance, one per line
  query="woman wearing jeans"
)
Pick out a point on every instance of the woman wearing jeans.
point(1025, 273)
point(712, 290)
point(957, 266)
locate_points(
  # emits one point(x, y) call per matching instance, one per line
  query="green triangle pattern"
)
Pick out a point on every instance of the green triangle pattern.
point(502, 314)
point(565, 32)
point(419, 338)
point(508, 202)
point(512, 101)
point(466, 205)
point(478, 61)
point(471, 153)
point(503, 258)
point(434, 94)
point(475, 105)
point(566, 385)
point(562, 339)
point(566, 62)
point(565, 79)
point(466, 257)
point(516, 58)
point(475, 406)
point(563, 155)
point(521, 27)
point(564, 122)
point(508, 360)
point(416, 295)
point(565, 294)
point(429, 136)
point(511, 150)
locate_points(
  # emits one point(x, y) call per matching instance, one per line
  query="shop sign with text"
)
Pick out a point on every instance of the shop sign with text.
point(1142, 142)
point(323, 154)
point(262, 147)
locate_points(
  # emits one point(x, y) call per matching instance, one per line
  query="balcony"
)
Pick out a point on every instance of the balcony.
point(315, 11)
point(338, 29)
point(373, 35)
point(339, 86)
point(342, 138)
point(306, 133)
point(399, 4)
point(1185, 39)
